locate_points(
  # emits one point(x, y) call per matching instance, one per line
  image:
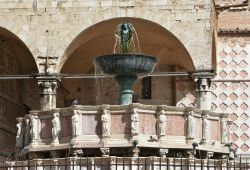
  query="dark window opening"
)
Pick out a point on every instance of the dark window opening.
point(146, 88)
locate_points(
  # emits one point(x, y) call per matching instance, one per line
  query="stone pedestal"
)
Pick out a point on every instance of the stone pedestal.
point(47, 93)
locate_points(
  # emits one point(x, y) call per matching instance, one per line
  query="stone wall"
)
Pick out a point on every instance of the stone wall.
point(48, 27)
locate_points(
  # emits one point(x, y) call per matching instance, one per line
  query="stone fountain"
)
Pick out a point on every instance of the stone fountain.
point(125, 67)
point(130, 128)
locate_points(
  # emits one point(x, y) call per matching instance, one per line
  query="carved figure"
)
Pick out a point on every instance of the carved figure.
point(27, 132)
point(105, 123)
point(191, 125)
point(135, 122)
point(56, 128)
point(19, 135)
point(125, 32)
point(34, 128)
point(206, 128)
point(162, 123)
point(75, 124)
point(224, 130)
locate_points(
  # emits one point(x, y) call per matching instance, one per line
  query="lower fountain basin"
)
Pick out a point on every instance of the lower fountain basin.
point(125, 65)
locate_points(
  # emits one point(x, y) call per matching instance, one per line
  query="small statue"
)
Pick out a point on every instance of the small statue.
point(34, 128)
point(105, 123)
point(75, 124)
point(56, 128)
point(27, 134)
point(19, 135)
point(75, 102)
point(162, 123)
point(191, 125)
point(125, 32)
point(206, 128)
point(135, 122)
point(224, 131)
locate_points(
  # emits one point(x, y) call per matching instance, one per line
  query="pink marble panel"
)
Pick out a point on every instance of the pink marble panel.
point(175, 125)
point(91, 125)
point(46, 129)
point(120, 124)
point(66, 126)
point(148, 124)
point(198, 127)
point(215, 129)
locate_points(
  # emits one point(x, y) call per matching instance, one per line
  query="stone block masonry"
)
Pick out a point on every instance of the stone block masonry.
point(189, 21)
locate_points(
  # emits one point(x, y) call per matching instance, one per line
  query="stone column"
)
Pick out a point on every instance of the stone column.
point(203, 92)
point(47, 93)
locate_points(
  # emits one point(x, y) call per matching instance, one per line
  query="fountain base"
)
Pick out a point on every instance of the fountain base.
point(126, 89)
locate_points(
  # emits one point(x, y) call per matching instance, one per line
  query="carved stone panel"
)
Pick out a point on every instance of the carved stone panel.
point(91, 125)
point(198, 131)
point(120, 124)
point(175, 125)
point(215, 129)
point(66, 126)
point(46, 127)
point(148, 124)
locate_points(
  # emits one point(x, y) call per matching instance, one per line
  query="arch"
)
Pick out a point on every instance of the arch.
point(24, 56)
point(92, 32)
point(17, 97)
point(99, 39)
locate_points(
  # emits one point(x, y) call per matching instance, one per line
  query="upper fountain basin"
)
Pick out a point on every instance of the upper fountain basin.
point(125, 64)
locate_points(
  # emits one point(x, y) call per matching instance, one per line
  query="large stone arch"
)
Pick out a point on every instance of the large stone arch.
point(190, 37)
point(25, 56)
point(99, 39)
point(17, 96)
point(106, 28)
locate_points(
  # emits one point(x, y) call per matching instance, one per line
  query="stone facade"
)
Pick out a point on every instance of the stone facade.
point(231, 84)
point(61, 21)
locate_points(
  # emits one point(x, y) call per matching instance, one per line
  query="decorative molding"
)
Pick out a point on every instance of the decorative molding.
point(237, 31)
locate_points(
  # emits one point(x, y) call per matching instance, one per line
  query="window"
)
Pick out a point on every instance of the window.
point(146, 88)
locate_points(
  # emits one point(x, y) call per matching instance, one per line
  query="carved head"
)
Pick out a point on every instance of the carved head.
point(56, 114)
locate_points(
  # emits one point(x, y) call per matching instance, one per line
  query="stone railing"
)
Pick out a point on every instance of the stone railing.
point(110, 126)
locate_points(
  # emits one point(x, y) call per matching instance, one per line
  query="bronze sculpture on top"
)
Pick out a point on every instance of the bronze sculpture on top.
point(125, 67)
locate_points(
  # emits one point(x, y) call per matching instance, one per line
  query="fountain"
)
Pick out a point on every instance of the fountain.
point(125, 67)
point(132, 128)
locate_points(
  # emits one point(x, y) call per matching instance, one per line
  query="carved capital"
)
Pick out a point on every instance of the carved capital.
point(163, 152)
point(203, 93)
point(105, 152)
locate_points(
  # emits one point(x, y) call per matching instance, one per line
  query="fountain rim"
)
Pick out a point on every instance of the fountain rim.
point(126, 54)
